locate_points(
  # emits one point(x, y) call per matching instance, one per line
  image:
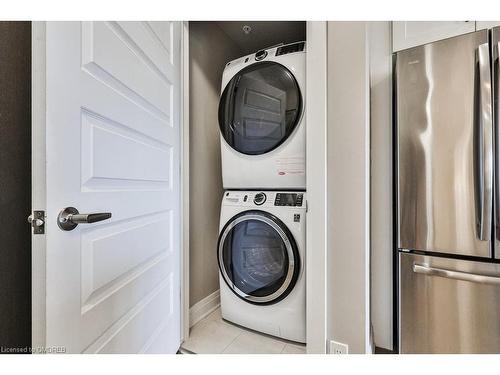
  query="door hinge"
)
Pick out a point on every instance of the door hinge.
point(37, 221)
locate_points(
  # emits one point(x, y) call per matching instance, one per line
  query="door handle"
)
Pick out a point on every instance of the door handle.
point(69, 218)
point(485, 159)
point(496, 115)
point(456, 275)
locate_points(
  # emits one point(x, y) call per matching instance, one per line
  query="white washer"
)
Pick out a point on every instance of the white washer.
point(261, 120)
point(261, 256)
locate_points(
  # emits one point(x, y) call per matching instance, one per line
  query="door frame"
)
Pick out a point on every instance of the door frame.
point(316, 159)
point(38, 178)
point(184, 188)
point(38, 188)
point(316, 187)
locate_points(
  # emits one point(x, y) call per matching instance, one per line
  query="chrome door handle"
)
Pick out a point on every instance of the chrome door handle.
point(456, 275)
point(485, 158)
point(496, 124)
point(69, 218)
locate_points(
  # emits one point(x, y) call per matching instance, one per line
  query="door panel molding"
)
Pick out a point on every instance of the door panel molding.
point(100, 60)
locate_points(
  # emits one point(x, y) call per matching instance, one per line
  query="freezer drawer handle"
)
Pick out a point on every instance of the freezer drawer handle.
point(456, 275)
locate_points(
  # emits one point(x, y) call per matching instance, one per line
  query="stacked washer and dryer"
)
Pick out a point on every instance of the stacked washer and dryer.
point(261, 248)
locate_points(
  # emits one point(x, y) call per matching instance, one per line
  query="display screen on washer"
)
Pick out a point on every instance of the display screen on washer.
point(258, 259)
point(288, 199)
point(259, 108)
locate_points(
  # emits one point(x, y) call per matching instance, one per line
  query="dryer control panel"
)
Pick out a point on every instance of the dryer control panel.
point(290, 48)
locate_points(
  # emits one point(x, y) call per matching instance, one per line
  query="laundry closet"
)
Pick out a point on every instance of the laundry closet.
point(247, 151)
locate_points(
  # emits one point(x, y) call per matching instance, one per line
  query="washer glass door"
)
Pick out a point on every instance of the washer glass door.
point(259, 108)
point(258, 257)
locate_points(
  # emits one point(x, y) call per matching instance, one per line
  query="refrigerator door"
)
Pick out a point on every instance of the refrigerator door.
point(448, 305)
point(495, 46)
point(444, 146)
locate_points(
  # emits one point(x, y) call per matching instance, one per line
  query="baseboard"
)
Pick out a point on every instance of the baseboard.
point(204, 307)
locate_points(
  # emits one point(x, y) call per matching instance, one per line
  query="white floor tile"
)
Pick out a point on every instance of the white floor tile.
point(210, 337)
point(213, 335)
point(294, 349)
point(253, 343)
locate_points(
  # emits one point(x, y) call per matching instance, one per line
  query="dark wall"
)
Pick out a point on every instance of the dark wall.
point(15, 185)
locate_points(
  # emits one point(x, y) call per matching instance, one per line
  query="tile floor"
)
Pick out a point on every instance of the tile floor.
point(213, 335)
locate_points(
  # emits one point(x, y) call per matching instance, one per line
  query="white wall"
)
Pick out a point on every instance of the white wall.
point(209, 50)
point(381, 183)
point(348, 203)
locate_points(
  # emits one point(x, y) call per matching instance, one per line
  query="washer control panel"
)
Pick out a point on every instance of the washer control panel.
point(261, 199)
point(288, 199)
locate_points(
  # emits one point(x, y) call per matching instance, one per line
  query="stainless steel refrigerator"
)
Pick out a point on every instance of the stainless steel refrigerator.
point(447, 194)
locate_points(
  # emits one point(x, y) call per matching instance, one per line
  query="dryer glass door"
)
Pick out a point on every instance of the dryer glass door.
point(258, 257)
point(259, 108)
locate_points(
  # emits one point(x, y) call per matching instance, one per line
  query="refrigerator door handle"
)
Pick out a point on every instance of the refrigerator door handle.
point(456, 275)
point(496, 115)
point(485, 148)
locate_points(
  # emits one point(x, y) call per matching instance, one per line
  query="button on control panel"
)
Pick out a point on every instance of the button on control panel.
point(289, 199)
point(259, 199)
point(260, 55)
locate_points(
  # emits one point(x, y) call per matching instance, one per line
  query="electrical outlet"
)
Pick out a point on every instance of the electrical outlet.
point(338, 348)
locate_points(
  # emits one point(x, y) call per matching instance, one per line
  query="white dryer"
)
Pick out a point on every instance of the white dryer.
point(261, 120)
point(261, 256)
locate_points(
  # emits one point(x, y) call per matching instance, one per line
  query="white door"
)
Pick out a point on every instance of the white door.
point(112, 145)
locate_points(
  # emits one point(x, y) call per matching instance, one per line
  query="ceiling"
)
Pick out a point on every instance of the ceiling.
point(263, 34)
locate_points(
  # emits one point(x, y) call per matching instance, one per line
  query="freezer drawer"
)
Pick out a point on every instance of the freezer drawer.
point(448, 305)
